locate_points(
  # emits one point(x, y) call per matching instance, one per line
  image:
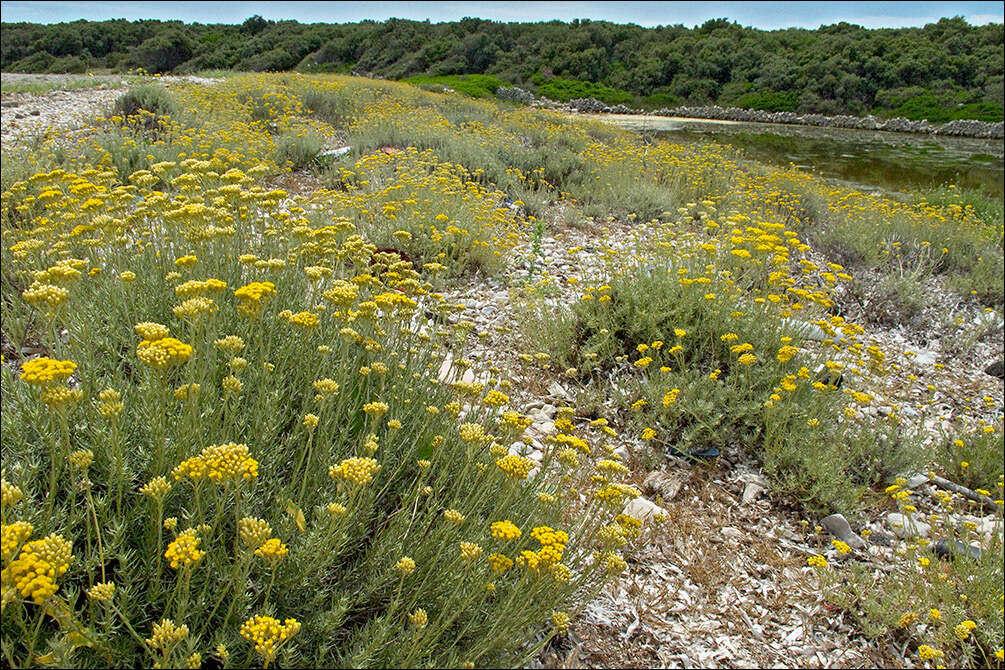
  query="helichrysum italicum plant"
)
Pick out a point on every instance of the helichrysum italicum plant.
point(244, 382)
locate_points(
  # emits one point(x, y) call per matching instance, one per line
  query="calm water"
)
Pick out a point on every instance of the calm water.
point(870, 160)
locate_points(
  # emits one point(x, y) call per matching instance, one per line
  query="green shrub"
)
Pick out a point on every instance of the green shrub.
point(474, 85)
point(151, 98)
point(568, 89)
point(299, 151)
point(975, 459)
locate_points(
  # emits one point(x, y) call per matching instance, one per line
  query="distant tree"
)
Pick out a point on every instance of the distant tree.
point(164, 52)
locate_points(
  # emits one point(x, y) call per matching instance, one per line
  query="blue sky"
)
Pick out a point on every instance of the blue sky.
point(767, 15)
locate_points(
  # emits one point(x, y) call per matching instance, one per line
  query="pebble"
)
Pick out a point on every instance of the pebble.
point(905, 528)
point(642, 508)
point(838, 526)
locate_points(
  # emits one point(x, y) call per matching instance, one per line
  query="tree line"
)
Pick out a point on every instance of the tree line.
point(943, 70)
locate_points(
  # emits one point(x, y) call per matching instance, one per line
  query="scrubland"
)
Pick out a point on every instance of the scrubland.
point(240, 426)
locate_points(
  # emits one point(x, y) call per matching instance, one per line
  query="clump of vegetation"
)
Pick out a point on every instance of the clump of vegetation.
point(239, 440)
point(150, 99)
point(564, 90)
point(299, 151)
point(242, 451)
point(474, 85)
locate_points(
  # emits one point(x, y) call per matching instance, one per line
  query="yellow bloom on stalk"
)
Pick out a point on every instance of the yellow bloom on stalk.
point(359, 470)
point(163, 353)
point(111, 404)
point(505, 530)
point(405, 566)
point(272, 551)
point(495, 398)
point(965, 629)
point(453, 516)
point(418, 618)
point(231, 343)
point(156, 488)
point(166, 634)
point(231, 385)
point(12, 536)
point(786, 353)
point(747, 359)
point(470, 551)
point(34, 572)
point(500, 562)
point(841, 547)
point(253, 532)
point(185, 261)
point(186, 392)
point(82, 458)
point(926, 653)
point(253, 297)
point(102, 592)
point(59, 397)
point(268, 635)
point(906, 619)
point(183, 551)
point(305, 320)
point(516, 467)
point(934, 614)
point(51, 296)
point(11, 494)
point(817, 561)
point(220, 463)
point(671, 397)
point(560, 620)
point(194, 308)
point(44, 372)
point(472, 432)
point(376, 409)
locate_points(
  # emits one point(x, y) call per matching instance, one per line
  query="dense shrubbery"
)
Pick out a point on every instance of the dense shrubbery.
point(944, 71)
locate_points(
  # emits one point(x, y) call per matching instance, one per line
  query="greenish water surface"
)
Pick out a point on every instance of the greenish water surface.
point(870, 160)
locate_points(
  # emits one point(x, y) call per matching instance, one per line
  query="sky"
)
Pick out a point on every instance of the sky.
point(765, 15)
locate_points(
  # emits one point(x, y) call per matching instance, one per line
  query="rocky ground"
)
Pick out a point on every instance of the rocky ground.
point(724, 581)
point(27, 114)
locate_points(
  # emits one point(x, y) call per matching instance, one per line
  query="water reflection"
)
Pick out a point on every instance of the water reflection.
point(867, 159)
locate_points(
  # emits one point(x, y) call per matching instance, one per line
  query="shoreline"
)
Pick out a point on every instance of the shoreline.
point(714, 113)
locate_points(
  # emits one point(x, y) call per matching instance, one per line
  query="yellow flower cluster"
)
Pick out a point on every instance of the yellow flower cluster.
point(41, 562)
point(151, 331)
point(183, 551)
point(111, 404)
point(505, 530)
point(11, 494)
point(268, 634)
point(44, 372)
point(405, 566)
point(102, 591)
point(272, 551)
point(220, 463)
point(156, 488)
point(358, 470)
point(516, 467)
point(12, 536)
point(163, 353)
point(252, 297)
point(166, 634)
point(470, 551)
point(500, 562)
point(253, 532)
